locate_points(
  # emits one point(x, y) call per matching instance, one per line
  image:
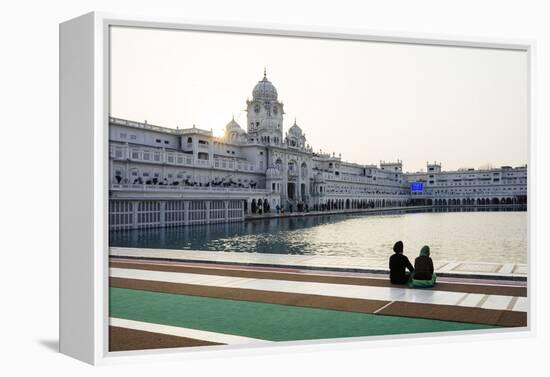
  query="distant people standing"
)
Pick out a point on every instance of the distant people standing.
point(423, 275)
point(399, 263)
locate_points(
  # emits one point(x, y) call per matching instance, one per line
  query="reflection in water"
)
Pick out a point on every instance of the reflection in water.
point(462, 235)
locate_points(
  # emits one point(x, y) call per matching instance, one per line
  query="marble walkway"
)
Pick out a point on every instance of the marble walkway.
point(173, 298)
point(506, 271)
point(432, 296)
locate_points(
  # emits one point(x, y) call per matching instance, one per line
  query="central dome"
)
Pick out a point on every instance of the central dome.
point(265, 90)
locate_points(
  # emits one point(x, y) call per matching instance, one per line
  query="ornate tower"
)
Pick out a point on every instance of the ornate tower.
point(265, 114)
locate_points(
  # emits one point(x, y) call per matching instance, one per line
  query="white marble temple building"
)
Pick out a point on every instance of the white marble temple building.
point(166, 177)
point(504, 185)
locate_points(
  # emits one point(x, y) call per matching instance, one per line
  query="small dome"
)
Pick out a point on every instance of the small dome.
point(264, 90)
point(232, 125)
point(295, 130)
point(272, 173)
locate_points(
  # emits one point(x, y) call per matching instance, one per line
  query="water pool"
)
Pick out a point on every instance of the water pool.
point(472, 236)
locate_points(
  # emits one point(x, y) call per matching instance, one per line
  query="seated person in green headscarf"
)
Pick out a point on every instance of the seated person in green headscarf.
point(423, 275)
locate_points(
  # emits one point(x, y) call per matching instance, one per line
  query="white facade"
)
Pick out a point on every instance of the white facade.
point(505, 185)
point(161, 176)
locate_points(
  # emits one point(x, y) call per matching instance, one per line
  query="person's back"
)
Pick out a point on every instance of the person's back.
point(398, 265)
point(423, 268)
point(424, 275)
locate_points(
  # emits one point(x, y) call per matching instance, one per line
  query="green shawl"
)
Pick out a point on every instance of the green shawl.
point(425, 251)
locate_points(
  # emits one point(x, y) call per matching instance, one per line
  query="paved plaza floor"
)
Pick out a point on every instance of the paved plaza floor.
point(173, 298)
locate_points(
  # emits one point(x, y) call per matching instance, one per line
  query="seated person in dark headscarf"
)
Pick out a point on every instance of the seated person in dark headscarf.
point(398, 265)
point(424, 275)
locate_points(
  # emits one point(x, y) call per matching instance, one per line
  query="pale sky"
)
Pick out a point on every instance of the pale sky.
point(462, 107)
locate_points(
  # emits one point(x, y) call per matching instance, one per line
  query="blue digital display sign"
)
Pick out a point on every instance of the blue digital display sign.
point(417, 187)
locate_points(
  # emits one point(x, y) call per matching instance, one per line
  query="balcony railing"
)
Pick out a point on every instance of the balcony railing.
point(146, 126)
point(359, 179)
point(496, 191)
point(182, 188)
point(361, 194)
point(178, 159)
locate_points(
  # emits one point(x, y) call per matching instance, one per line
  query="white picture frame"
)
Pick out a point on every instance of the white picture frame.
point(84, 98)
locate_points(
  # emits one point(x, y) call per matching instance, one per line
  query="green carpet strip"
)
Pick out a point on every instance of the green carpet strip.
point(264, 321)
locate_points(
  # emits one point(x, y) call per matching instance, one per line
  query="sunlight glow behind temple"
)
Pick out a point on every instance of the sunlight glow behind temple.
point(368, 101)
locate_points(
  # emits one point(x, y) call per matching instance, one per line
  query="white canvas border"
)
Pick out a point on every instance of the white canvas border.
point(102, 22)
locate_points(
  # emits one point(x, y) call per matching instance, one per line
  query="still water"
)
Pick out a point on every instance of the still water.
point(461, 236)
